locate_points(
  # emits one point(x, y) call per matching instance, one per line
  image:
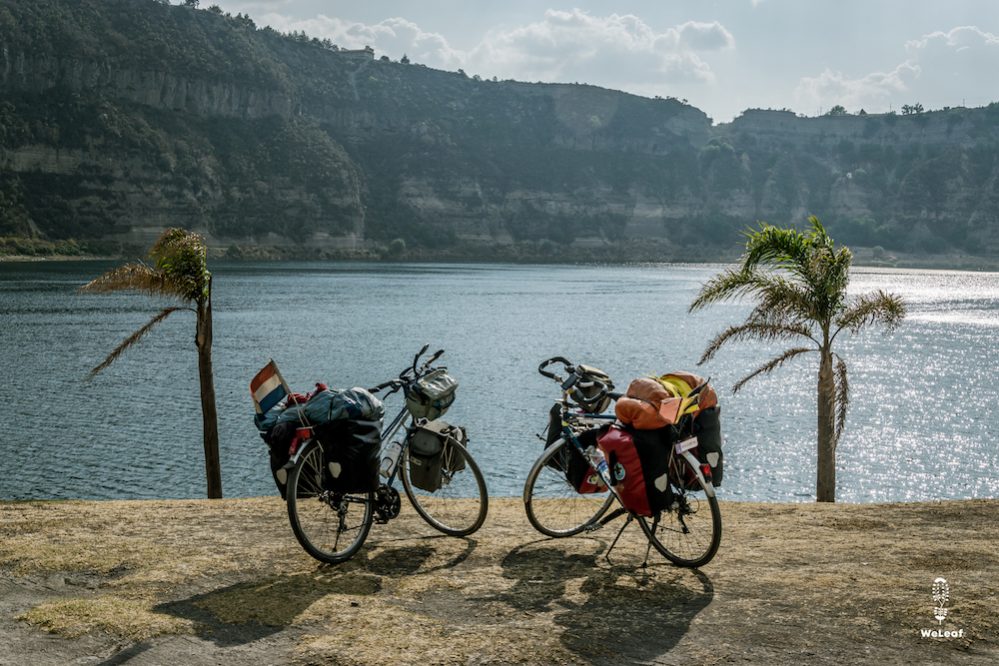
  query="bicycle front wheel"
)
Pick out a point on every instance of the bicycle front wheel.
point(553, 506)
point(330, 526)
point(458, 508)
point(689, 532)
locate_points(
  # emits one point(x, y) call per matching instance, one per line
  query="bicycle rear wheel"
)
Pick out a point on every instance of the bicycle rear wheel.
point(330, 526)
point(458, 508)
point(689, 532)
point(553, 506)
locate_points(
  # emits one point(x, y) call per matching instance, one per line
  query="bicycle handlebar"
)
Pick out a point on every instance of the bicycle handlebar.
point(410, 373)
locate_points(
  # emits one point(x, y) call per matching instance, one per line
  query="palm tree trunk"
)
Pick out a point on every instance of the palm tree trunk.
point(825, 482)
point(209, 414)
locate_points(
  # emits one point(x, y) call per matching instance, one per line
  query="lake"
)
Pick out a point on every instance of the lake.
point(923, 423)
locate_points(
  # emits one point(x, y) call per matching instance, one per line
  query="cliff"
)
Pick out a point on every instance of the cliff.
point(121, 117)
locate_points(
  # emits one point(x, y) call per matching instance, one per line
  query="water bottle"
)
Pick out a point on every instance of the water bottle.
point(597, 461)
point(392, 454)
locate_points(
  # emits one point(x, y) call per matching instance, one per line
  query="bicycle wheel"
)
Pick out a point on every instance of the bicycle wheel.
point(458, 508)
point(689, 532)
point(553, 506)
point(330, 526)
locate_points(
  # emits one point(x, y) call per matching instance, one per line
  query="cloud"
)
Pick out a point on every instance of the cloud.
point(619, 51)
point(395, 37)
point(941, 69)
point(615, 50)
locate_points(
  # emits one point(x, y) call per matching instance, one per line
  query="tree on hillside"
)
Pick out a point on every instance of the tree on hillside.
point(838, 110)
point(912, 109)
point(179, 271)
point(798, 282)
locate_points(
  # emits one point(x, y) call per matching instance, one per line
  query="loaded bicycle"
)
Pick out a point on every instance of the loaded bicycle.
point(331, 515)
point(572, 486)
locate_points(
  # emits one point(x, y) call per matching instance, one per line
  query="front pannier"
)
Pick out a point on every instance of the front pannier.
point(432, 452)
point(431, 395)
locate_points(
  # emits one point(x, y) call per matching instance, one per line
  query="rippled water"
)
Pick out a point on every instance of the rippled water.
point(923, 423)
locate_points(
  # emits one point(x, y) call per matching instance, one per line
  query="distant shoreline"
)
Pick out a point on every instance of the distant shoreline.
point(924, 262)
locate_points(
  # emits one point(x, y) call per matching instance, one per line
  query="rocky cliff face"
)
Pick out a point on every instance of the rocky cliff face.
point(256, 138)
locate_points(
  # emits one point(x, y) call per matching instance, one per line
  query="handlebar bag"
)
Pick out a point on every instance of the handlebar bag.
point(430, 396)
point(591, 382)
point(638, 461)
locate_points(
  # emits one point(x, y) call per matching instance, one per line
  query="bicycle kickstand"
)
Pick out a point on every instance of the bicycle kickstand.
point(648, 546)
point(619, 533)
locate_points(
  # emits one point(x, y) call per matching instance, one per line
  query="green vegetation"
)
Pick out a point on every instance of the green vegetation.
point(798, 284)
point(122, 114)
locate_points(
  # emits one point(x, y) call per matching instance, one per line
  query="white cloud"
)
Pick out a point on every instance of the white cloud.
point(395, 37)
point(615, 50)
point(941, 69)
point(618, 51)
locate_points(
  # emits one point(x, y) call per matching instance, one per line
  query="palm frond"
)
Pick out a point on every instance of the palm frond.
point(727, 284)
point(875, 308)
point(132, 339)
point(778, 247)
point(781, 298)
point(772, 365)
point(134, 277)
point(754, 330)
point(842, 396)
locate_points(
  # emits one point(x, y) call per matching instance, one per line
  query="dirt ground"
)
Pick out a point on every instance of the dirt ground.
point(225, 582)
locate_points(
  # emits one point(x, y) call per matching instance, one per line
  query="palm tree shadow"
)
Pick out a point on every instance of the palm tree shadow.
point(618, 615)
point(250, 610)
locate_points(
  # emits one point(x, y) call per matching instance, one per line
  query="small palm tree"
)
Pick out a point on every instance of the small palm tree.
point(798, 281)
point(179, 270)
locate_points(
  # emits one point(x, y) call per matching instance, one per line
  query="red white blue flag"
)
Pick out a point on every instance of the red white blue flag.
point(268, 388)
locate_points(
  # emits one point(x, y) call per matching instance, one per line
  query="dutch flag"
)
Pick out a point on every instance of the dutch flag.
point(268, 388)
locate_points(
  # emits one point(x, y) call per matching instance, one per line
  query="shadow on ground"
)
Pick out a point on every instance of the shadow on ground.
point(609, 614)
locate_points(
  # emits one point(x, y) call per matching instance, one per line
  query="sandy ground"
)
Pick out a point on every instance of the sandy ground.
point(225, 582)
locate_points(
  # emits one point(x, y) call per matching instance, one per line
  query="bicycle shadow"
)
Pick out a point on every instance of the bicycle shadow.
point(251, 610)
point(608, 613)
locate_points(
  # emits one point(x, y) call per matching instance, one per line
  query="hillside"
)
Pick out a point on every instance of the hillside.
point(121, 117)
point(224, 582)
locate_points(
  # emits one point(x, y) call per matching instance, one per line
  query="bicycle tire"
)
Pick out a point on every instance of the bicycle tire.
point(458, 508)
point(687, 547)
point(319, 517)
point(553, 506)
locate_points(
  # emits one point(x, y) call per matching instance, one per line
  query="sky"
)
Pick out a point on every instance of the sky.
point(721, 56)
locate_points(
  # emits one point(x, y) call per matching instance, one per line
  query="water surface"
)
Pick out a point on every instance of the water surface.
point(922, 425)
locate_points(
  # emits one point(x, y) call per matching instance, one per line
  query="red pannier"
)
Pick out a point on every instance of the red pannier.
point(638, 461)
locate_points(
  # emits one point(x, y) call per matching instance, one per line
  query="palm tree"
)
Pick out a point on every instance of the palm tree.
point(180, 271)
point(798, 282)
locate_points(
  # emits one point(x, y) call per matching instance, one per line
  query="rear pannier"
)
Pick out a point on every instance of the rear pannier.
point(348, 425)
point(638, 462)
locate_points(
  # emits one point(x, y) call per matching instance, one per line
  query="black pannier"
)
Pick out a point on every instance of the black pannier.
point(432, 452)
point(707, 429)
point(350, 454)
point(278, 441)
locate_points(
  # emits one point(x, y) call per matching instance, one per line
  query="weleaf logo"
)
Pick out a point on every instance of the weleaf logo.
point(941, 595)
